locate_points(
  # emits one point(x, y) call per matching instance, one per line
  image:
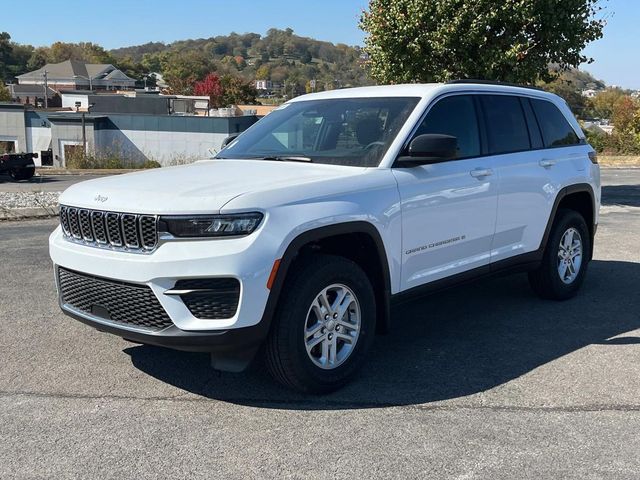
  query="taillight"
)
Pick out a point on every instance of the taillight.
point(593, 156)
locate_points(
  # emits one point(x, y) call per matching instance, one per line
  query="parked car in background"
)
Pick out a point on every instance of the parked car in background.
point(19, 165)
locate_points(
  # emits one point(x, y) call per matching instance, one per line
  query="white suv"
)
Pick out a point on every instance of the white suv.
point(309, 226)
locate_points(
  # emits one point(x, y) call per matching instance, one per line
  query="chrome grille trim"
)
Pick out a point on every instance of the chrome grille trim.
point(99, 227)
point(128, 232)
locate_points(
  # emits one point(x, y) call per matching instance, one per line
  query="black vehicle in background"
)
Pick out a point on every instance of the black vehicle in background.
point(19, 165)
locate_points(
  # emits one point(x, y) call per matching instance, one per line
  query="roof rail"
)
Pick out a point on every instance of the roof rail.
point(493, 82)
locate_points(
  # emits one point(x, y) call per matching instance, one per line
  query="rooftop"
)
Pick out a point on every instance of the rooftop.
point(70, 69)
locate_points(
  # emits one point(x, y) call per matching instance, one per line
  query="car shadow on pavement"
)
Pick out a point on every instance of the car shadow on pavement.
point(628, 195)
point(449, 345)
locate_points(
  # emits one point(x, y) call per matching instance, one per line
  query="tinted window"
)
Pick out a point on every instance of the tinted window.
point(556, 131)
point(506, 126)
point(455, 116)
point(532, 123)
point(339, 131)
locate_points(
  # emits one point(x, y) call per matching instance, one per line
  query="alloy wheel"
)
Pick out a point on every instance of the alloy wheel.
point(332, 326)
point(569, 256)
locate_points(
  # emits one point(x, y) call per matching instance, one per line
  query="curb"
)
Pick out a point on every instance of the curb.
point(95, 171)
point(28, 213)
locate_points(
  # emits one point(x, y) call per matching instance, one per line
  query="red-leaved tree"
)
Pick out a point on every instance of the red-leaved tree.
point(212, 87)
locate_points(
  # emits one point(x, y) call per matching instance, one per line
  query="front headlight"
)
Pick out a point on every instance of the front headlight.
point(232, 225)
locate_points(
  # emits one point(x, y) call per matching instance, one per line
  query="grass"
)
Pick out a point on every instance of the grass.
point(619, 160)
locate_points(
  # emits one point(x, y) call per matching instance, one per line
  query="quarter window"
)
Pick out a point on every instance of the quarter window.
point(455, 116)
point(506, 125)
point(556, 131)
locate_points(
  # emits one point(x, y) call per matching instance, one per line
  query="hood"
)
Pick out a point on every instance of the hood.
point(202, 187)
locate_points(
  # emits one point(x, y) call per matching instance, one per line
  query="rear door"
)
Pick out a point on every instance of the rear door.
point(522, 182)
point(448, 208)
point(526, 161)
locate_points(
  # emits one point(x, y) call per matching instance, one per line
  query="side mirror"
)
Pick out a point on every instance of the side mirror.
point(229, 139)
point(430, 148)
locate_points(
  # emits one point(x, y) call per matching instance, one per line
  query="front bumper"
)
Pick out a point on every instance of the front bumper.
point(244, 259)
point(239, 343)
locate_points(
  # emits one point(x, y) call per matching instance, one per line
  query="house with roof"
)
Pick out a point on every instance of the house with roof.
point(76, 75)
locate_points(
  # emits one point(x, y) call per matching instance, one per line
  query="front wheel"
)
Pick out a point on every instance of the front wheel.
point(324, 325)
point(565, 259)
point(24, 173)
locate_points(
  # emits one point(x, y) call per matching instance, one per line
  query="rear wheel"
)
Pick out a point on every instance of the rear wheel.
point(565, 259)
point(324, 325)
point(24, 173)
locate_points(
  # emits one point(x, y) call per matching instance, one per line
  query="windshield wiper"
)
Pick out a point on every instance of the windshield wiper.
point(286, 158)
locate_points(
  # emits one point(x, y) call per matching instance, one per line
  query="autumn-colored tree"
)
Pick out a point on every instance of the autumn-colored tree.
point(237, 91)
point(5, 95)
point(211, 87)
point(510, 40)
point(602, 105)
point(626, 114)
point(263, 72)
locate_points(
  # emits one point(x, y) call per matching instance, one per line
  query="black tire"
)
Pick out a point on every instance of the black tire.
point(286, 354)
point(545, 280)
point(24, 173)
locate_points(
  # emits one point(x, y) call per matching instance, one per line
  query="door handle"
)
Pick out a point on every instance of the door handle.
point(481, 172)
point(546, 163)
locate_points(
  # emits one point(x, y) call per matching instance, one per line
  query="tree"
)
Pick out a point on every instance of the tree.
point(511, 40)
point(626, 114)
point(237, 91)
point(603, 103)
point(181, 69)
point(5, 95)
point(212, 87)
point(306, 57)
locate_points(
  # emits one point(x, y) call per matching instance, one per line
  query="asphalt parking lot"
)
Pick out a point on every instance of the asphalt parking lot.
point(42, 183)
point(481, 382)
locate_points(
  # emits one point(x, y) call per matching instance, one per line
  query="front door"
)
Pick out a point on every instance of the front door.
point(449, 208)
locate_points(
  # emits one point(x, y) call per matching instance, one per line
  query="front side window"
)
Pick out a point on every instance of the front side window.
point(506, 125)
point(455, 116)
point(344, 131)
point(556, 131)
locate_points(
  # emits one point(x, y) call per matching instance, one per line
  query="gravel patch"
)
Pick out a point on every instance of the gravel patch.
point(24, 205)
point(10, 200)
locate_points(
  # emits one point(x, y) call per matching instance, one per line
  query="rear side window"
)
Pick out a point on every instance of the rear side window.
point(455, 116)
point(556, 131)
point(506, 125)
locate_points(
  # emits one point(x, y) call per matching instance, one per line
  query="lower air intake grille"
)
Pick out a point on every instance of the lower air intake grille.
point(126, 303)
point(210, 298)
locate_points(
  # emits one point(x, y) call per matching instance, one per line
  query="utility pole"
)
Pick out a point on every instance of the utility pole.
point(84, 130)
point(46, 88)
point(84, 136)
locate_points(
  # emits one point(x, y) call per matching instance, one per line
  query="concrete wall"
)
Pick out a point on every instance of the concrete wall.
point(69, 133)
point(167, 148)
point(12, 126)
point(166, 139)
point(69, 100)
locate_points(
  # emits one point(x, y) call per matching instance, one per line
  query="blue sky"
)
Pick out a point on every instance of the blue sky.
point(121, 23)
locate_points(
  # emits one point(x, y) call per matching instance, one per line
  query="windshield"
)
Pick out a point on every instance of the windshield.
point(341, 131)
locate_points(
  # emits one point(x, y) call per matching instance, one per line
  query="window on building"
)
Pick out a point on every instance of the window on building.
point(7, 147)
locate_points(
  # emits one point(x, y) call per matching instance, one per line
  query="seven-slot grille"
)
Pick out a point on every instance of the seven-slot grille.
point(120, 302)
point(110, 229)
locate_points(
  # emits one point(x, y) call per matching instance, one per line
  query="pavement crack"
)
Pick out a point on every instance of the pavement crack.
point(329, 404)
